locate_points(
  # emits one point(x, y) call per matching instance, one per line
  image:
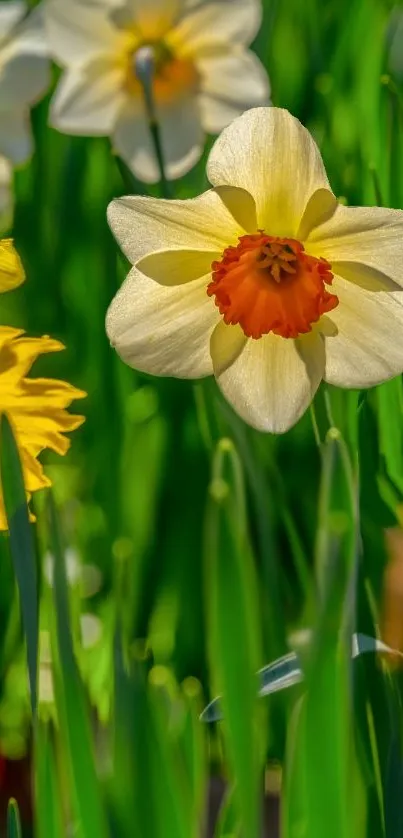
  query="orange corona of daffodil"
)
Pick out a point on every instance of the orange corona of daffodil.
point(266, 280)
point(36, 407)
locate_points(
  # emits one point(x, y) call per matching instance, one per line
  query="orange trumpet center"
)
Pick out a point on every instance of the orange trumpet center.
point(269, 284)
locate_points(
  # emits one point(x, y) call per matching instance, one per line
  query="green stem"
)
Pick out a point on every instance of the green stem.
point(145, 68)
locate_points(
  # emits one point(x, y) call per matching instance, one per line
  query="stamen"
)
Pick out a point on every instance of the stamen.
point(269, 284)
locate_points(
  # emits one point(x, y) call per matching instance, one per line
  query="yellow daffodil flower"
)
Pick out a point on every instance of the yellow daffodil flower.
point(36, 407)
point(24, 75)
point(12, 272)
point(265, 280)
point(203, 74)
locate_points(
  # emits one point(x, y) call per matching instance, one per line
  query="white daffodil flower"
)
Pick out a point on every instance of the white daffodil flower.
point(203, 74)
point(24, 76)
point(265, 280)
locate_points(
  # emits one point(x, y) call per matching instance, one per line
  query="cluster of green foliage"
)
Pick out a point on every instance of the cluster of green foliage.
point(220, 549)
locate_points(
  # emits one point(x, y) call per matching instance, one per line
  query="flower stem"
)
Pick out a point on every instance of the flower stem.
point(145, 68)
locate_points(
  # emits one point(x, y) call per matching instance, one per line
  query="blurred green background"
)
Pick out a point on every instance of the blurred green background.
point(213, 557)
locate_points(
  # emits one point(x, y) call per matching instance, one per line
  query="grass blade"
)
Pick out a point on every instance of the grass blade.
point(234, 626)
point(21, 546)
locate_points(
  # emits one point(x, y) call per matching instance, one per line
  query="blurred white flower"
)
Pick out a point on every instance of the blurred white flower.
point(6, 194)
point(203, 74)
point(91, 630)
point(88, 576)
point(24, 76)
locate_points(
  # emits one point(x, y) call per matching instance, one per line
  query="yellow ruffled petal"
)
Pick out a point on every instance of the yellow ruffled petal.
point(12, 272)
point(36, 407)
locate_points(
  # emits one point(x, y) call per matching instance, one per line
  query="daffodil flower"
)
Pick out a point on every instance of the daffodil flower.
point(265, 280)
point(24, 75)
point(203, 74)
point(36, 407)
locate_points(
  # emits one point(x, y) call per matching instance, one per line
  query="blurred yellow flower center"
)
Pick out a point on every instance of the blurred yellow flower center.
point(269, 284)
point(172, 77)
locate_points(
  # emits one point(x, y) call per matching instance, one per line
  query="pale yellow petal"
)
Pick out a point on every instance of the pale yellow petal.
point(87, 100)
point(368, 347)
point(10, 14)
point(273, 380)
point(270, 154)
point(77, 32)
point(145, 225)
point(152, 18)
point(367, 236)
point(232, 82)
point(182, 138)
point(174, 267)
point(24, 63)
point(163, 330)
point(209, 26)
point(15, 136)
point(227, 343)
point(12, 272)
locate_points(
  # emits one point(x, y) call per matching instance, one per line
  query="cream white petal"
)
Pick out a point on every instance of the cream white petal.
point(29, 35)
point(145, 225)
point(273, 380)
point(210, 25)
point(368, 347)
point(173, 267)
point(268, 152)
point(6, 194)
point(11, 13)
point(15, 136)
point(78, 31)
point(182, 139)
point(87, 100)
point(227, 343)
point(182, 135)
point(231, 83)
point(24, 64)
point(152, 18)
point(368, 236)
point(163, 331)
point(132, 141)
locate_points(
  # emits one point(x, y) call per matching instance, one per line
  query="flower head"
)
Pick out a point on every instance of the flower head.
point(203, 75)
point(265, 280)
point(36, 407)
point(24, 75)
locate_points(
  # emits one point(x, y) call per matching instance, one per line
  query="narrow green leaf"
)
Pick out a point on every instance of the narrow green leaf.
point(72, 705)
point(21, 546)
point(234, 626)
point(325, 770)
point(13, 820)
point(48, 805)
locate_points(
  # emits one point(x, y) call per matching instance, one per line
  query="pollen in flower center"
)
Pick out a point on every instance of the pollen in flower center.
point(270, 284)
